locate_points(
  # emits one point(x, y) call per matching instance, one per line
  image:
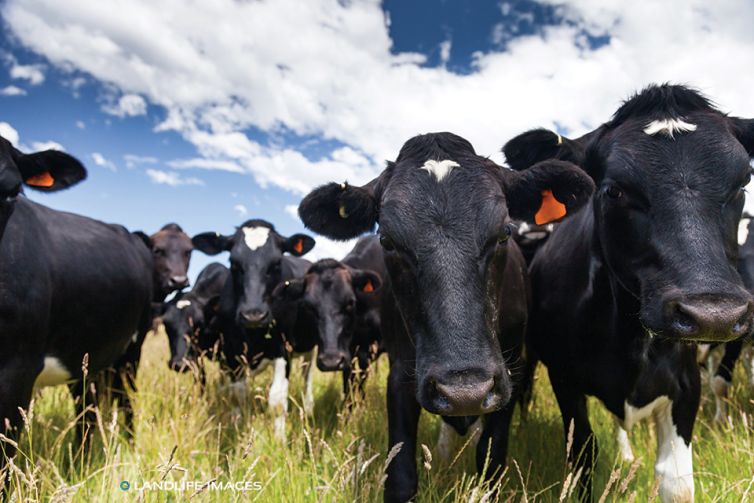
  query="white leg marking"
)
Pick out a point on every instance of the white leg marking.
point(624, 446)
point(674, 466)
point(309, 380)
point(720, 389)
point(278, 399)
point(445, 441)
point(53, 373)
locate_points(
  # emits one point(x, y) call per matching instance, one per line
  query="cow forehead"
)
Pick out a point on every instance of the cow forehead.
point(255, 237)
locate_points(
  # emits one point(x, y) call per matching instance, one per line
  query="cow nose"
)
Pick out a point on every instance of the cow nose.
point(254, 317)
point(331, 361)
point(711, 321)
point(178, 281)
point(463, 393)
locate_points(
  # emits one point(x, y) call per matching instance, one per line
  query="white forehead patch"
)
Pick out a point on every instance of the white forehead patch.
point(743, 230)
point(255, 237)
point(182, 303)
point(440, 169)
point(669, 127)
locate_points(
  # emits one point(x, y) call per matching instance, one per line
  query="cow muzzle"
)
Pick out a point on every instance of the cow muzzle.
point(332, 361)
point(465, 392)
point(708, 318)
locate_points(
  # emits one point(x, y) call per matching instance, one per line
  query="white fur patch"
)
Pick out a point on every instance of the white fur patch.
point(255, 237)
point(674, 464)
point(743, 230)
point(669, 127)
point(278, 397)
point(624, 445)
point(53, 373)
point(440, 169)
point(309, 379)
point(182, 304)
point(633, 415)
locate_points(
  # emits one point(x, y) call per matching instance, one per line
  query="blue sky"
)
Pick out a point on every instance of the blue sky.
point(210, 123)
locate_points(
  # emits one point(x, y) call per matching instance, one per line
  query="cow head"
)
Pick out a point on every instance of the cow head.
point(256, 264)
point(182, 317)
point(444, 214)
point(171, 254)
point(336, 295)
point(670, 171)
point(46, 171)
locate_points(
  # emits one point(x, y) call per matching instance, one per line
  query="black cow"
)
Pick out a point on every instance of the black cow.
point(456, 291)
point(256, 330)
point(171, 253)
point(723, 374)
point(74, 290)
point(190, 320)
point(345, 298)
point(621, 287)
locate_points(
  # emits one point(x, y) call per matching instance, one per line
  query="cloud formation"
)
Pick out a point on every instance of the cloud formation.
point(171, 178)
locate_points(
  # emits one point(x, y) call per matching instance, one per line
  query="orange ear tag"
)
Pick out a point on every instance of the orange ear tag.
point(41, 180)
point(299, 246)
point(551, 209)
point(368, 287)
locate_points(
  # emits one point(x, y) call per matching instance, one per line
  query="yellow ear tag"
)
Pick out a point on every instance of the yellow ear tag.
point(550, 210)
point(299, 246)
point(41, 180)
point(368, 287)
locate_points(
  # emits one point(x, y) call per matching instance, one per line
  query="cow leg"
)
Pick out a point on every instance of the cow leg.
point(492, 448)
point(723, 378)
point(403, 420)
point(583, 452)
point(673, 466)
point(16, 385)
point(624, 445)
point(278, 398)
point(309, 381)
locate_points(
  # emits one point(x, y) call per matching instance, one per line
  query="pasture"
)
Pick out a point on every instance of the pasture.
point(337, 455)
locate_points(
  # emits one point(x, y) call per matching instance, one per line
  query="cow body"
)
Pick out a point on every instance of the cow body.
point(621, 287)
point(454, 303)
point(255, 329)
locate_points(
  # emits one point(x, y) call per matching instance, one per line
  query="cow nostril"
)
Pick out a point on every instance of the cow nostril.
point(683, 320)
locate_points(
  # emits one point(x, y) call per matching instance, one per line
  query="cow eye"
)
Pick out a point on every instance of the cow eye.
point(613, 192)
point(159, 252)
point(505, 235)
point(387, 243)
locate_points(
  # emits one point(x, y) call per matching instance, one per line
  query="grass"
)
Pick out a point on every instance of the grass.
point(336, 455)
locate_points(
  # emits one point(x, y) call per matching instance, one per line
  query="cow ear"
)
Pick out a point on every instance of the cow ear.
point(531, 147)
point(365, 282)
point(744, 131)
point(547, 192)
point(341, 211)
point(291, 290)
point(146, 239)
point(298, 244)
point(212, 243)
point(49, 170)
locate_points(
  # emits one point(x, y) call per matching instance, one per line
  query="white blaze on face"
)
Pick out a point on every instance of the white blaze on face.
point(743, 230)
point(440, 169)
point(669, 127)
point(255, 237)
point(182, 304)
point(53, 373)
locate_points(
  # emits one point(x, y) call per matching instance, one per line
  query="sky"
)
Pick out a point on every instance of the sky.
point(211, 113)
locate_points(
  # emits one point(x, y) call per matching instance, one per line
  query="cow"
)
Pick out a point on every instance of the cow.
point(345, 298)
point(171, 253)
point(75, 291)
point(623, 288)
point(456, 291)
point(256, 330)
point(722, 379)
point(191, 323)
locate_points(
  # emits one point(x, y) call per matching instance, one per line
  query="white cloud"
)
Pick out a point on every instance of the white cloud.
point(128, 105)
point(37, 146)
point(133, 160)
point(34, 74)
point(9, 133)
point(12, 91)
point(101, 161)
point(340, 81)
point(171, 178)
point(445, 47)
point(81, 124)
point(241, 210)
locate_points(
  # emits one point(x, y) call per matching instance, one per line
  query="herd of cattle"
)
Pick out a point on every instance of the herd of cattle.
point(606, 257)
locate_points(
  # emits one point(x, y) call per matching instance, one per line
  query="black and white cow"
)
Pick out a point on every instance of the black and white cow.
point(74, 290)
point(722, 379)
point(345, 298)
point(256, 330)
point(190, 320)
point(649, 264)
point(456, 293)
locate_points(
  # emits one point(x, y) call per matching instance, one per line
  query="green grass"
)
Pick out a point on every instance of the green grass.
point(336, 455)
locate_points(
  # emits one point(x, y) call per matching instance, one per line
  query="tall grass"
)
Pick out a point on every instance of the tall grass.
point(182, 434)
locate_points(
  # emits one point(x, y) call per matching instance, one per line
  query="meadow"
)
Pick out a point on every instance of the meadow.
point(212, 438)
